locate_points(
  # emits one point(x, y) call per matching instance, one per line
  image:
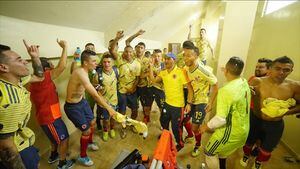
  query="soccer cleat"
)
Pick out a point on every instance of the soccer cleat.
point(105, 136)
point(112, 133)
point(244, 161)
point(196, 151)
point(53, 158)
point(257, 165)
point(85, 161)
point(179, 147)
point(188, 139)
point(93, 146)
point(67, 165)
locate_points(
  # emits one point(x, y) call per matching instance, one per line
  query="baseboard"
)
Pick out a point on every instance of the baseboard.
point(290, 150)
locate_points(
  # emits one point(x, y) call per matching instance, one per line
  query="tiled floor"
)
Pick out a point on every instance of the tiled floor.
point(109, 151)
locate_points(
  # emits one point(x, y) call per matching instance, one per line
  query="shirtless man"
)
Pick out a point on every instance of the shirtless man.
point(270, 129)
point(77, 108)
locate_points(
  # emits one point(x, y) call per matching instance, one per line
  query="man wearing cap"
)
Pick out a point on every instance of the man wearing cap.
point(174, 79)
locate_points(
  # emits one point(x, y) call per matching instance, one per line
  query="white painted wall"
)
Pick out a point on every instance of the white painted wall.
point(13, 30)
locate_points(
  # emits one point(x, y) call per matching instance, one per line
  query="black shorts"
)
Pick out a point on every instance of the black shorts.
point(198, 113)
point(144, 94)
point(129, 100)
point(157, 95)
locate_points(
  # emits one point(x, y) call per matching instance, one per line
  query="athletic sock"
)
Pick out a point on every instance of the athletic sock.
point(84, 140)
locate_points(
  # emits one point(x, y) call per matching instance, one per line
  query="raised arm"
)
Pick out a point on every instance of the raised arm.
point(62, 61)
point(113, 45)
point(156, 79)
point(189, 35)
point(128, 41)
point(38, 72)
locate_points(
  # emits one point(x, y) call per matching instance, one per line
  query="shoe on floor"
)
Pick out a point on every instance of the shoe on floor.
point(196, 151)
point(244, 161)
point(105, 136)
point(188, 139)
point(257, 165)
point(85, 161)
point(93, 146)
point(67, 165)
point(179, 147)
point(112, 133)
point(53, 158)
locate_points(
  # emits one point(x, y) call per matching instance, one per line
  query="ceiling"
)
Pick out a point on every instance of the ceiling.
point(160, 19)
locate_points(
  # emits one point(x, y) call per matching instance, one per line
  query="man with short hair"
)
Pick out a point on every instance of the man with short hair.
point(261, 68)
point(203, 44)
point(267, 119)
point(230, 125)
point(174, 79)
point(157, 89)
point(77, 108)
point(201, 80)
point(16, 149)
point(130, 70)
point(48, 114)
point(106, 80)
point(143, 90)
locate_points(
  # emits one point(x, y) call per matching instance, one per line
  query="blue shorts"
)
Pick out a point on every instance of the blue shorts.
point(56, 131)
point(198, 113)
point(103, 113)
point(80, 114)
point(30, 158)
point(129, 100)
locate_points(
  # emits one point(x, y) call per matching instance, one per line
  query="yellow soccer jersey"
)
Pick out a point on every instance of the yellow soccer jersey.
point(128, 74)
point(202, 44)
point(15, 107)
point(201, 79)
point(174, 82)
point(109, 87)
point(156, 69)
point(144, 61)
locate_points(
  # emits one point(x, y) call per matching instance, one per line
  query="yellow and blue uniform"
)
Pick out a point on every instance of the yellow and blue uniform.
point(201, 80)
point(143, 90)
point(156, 88)
point(15, 110)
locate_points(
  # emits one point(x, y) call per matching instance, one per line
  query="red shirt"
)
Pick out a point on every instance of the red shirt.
point(45, 99)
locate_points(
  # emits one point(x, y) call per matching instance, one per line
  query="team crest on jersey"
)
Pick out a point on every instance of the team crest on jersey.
point(83, 126)
point(174, 76)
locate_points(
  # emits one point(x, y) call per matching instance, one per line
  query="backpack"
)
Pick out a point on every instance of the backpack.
point(99, 71)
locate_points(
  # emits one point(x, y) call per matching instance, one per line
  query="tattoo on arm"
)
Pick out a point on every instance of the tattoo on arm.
point(11, 158)
point(37, 67)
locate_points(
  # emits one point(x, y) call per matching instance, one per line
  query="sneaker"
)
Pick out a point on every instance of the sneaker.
point(244, 161)
point(123, 133)
point(112, 133)
point(85, 161)
point(105, 136)
point(178, 147)
point(53, 158)
point(257, 165)
point(93, 146)
point(67, 165)
point(196, 151)
point(188, 139)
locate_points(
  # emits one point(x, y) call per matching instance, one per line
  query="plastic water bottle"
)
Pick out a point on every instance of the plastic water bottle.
point(77, 56)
